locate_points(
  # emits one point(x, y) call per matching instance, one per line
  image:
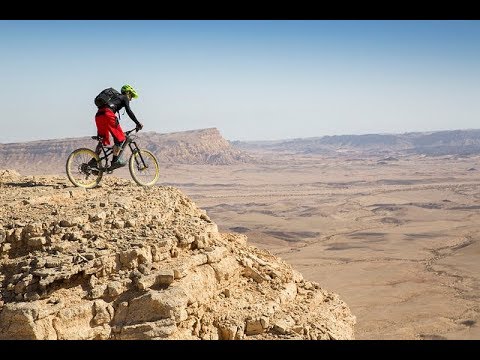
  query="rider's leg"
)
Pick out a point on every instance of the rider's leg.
point(93, 161)
point(116, 150)
point(102, 121)
point(117, 161)
point(117, 147)
point(118, 139)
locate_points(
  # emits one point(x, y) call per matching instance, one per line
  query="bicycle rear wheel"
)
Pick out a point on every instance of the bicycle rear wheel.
point(78, 171)
point(143, 166)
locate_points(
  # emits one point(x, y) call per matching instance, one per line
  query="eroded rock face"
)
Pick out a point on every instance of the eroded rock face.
point(126, 262)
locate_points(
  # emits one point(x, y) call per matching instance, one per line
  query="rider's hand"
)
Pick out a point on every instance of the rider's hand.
point(139, 127)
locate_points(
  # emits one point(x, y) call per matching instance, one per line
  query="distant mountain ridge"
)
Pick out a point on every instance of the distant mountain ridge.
point(207, 146)
point(454, 142)
point(203, 146)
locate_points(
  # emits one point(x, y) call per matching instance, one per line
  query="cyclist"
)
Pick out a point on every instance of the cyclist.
point(107, 123)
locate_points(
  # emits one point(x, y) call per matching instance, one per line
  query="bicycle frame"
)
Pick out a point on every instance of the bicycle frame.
point(132, 144)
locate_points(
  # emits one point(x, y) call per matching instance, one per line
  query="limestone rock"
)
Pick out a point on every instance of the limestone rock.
point(76, 264)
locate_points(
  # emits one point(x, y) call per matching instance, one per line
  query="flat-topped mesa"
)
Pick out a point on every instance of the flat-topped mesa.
point(204, 146)
point(125, 262)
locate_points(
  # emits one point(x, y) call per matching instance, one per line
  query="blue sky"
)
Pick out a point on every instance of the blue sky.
point(253, 80)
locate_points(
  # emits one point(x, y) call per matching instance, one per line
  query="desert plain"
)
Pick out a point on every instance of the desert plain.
point(398, 238)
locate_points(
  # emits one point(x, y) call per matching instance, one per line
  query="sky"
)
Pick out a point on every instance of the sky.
point(250, 79)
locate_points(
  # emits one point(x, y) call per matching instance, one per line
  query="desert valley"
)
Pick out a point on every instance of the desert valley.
point(390, 223)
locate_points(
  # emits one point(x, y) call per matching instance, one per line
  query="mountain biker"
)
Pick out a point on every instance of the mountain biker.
point(107, 123)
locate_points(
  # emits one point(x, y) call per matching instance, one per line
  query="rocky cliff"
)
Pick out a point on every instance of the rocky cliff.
point(125, 262)
point(204, 146)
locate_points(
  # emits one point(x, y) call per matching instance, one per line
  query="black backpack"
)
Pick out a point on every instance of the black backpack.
point(105, 97)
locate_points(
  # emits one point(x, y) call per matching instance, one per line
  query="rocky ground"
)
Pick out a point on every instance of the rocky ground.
point(125, 262)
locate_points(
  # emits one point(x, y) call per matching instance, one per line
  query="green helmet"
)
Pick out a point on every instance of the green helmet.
point(128, 89)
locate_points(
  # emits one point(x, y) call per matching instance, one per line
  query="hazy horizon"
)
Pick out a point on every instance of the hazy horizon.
point(257, 140)
point(253, 80)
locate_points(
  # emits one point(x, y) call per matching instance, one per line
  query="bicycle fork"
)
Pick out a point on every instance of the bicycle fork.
point(135, 150)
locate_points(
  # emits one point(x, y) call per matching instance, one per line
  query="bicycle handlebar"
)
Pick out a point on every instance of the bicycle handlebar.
point(130, 131)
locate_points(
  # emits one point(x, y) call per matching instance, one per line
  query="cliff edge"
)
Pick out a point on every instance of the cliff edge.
point(125, 262)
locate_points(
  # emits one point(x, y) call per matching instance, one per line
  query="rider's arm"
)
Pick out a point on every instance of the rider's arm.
point(129, 111)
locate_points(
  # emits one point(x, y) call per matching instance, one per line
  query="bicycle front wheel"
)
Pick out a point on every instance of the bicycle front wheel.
point(143, 166)
point(78, 171)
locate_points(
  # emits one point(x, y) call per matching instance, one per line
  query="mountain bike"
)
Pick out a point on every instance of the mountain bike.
point(142, 164)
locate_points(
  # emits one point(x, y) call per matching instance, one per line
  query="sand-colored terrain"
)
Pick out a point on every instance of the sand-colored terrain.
point(397, 238)
point(125, 262)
